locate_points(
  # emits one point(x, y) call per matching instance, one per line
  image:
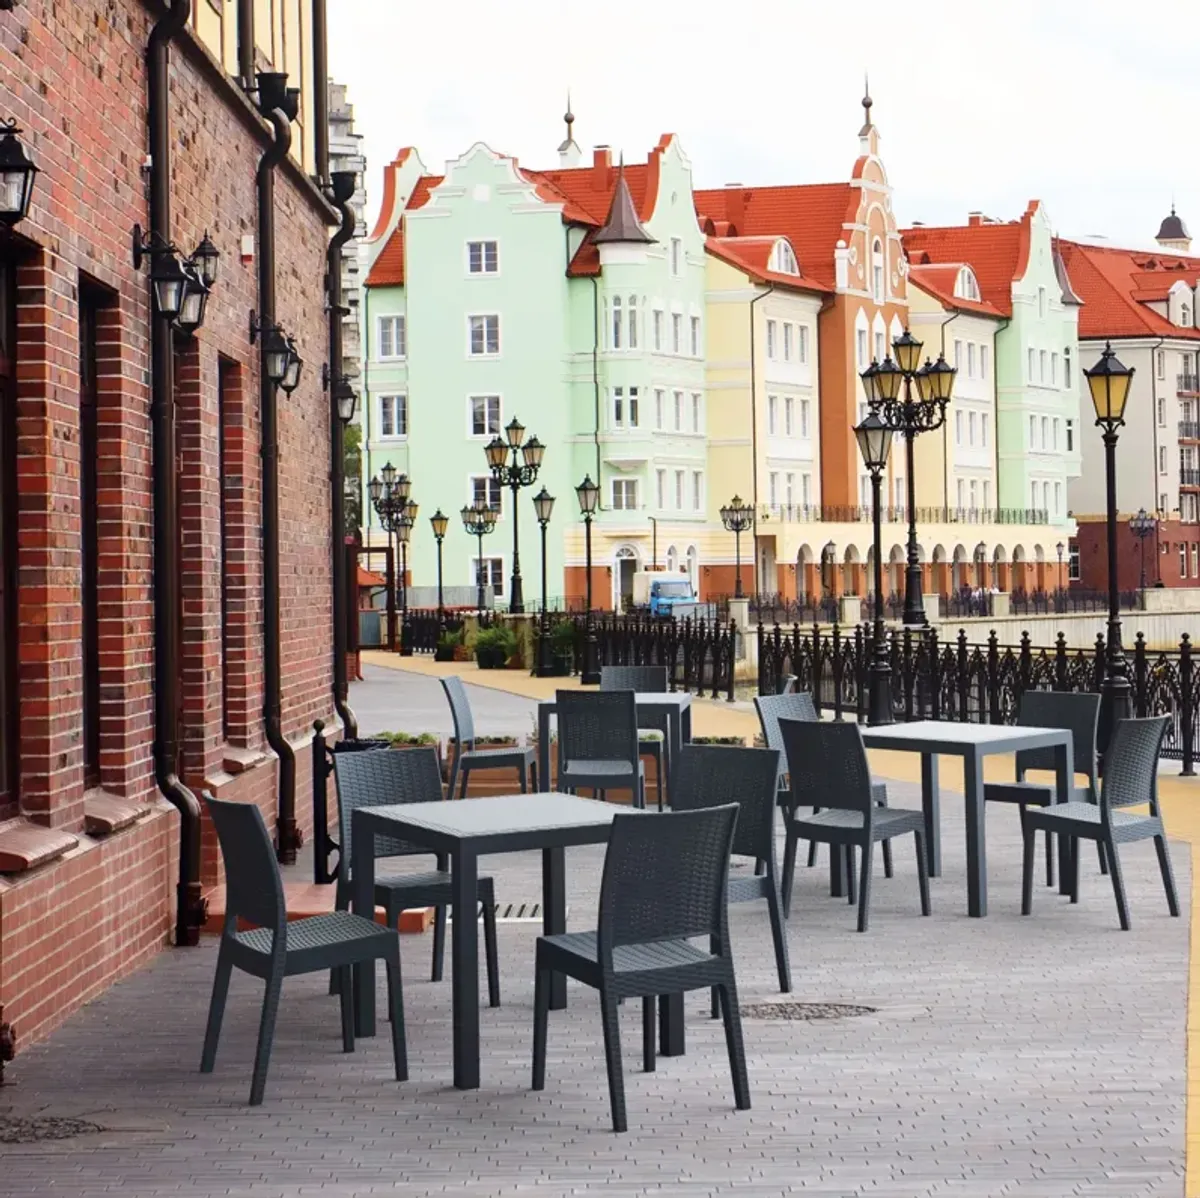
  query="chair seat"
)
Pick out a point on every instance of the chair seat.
point(319, 942)
point(1032, 794)
point(431, 889)
point(633, 958)
point(885, 822)
point(1084, 819)
point(597, 769)
point(507, 755)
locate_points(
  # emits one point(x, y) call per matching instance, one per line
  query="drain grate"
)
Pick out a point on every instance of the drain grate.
point(17, 1130)
point(518, 913)
point(804, 1011)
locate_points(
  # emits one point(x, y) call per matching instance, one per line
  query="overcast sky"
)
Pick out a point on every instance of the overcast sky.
point(1092, 106)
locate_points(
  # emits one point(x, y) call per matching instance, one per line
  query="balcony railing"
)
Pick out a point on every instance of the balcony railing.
point(1188, 384)
point(832, 514)
point(1189, 476)
point(1189, 430)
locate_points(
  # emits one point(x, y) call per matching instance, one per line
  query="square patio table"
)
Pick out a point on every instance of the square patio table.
point(971, 742)
point(465, 830)
point(677, 706)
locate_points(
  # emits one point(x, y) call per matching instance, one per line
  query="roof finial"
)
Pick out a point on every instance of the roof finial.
point(568, 151)
point(866, 100)
point(569, 116)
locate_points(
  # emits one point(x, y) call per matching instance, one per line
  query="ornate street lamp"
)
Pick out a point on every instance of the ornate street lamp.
point(1109, 383)
point(291, 372)
point(180, 286)
point(389, 498)
point(1143, 525)
point(875, 443)
point(206, 258)
point(888, 386)
point(346, 399)
point(737, 518)
point(543, 505)
point(404, 527)
point(479, 520)
point(17, 174)
point(520, 472)
point(588, 494)
point(439, 524)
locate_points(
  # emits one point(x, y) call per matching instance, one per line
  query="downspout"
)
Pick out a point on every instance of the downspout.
point(287, 833)
point(946, 431)
point(189, 903)
point(320, 67)
point(596, 381)
point(754, 437)
point(366, 466)
point(1154, 416)
point(996, 407)
point(343, 184)
point(245, 35)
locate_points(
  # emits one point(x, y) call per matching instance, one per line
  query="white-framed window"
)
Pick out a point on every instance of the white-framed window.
point(631, 312)
point(1070, 436)
point(660, 488)
point(898, 490)
point(806, 489)
point(676, 256)
point(1042, 366)
point(772, 414)
point(676, 333)
point(1045, 496)
point(1182, 560)
point(697, 490)
point(483, 258)
point(695, 323)
point(983, 431)
point(393, 416)
point(958, 355)
point(697, 412)
point(393, 337)
point(492, 571)
point(659, 407)
point(1160, 364)
point(1195, 546)
point(789, 489)
point(971, 422)
point(1067, 368)
point(973, 493)
point(487, 488)
point(805, 414)
point(772, 339)
point(880, 345)
point(1033, 432)
point(1162, 503)
point(789, 416)
point(658, 330)
point(877, 270)
point(484, 335)
point(971, 359)
point(987, 494)
point(1033, 495)
point(983, 361)
point(1054, 434)
point(679, 411)
point(862, 348)
point(1162, 459)
point(1042, 303)
point(679, 476)
point(1032, 363)
point(1073, 574)
point(1162, 412)
point(787, 341)
point(672, 559)
point(783, 259)
point(802, 343)
point(484, 415)
point(1058, 499)
point(958, 427)
point(864, 491)
point(1045, 432)
point(1053, 369)
point(618, 323)
point(773, 485)
point(624, 494)
point(692, 564)
point(961, 489)
point(625, 407)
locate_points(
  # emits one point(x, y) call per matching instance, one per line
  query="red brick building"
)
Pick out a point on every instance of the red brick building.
point(90, 876)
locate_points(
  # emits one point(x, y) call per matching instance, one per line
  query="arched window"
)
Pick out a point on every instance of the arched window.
point(616, 322)
point(783, 259)
point(1185, 316)
point(692, 566)
point(967, 286)
point(877, 267)
point(1042, 302)
point(672, 559)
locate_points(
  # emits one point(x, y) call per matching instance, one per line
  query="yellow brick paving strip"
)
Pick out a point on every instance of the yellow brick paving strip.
point(1180, 799)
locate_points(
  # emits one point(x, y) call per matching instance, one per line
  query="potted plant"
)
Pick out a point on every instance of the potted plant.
point(447, 643)
point(740, 741)
point(408, 740)
point(562, 646)
point(494, 646)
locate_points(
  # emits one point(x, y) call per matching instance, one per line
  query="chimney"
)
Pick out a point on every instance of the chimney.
point(974, 218)
point(735, 207)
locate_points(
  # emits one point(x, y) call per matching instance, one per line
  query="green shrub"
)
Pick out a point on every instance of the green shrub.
point(494, 646)
point(562, 637)
point(718, 740)
point(407, 738)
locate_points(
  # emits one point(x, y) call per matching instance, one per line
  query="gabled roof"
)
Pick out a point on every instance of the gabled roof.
point(1117, 287)
point(810, 216)
point(753, 255)
point(622, 225)
point(940, 280)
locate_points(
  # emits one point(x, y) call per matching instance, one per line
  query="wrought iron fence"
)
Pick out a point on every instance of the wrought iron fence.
point(768, 608)
point(1063, 601)
point(423, 627)
point(980, 683)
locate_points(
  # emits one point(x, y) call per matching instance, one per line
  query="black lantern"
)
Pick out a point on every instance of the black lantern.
point(375, 489)
point(346, 399)
point(276, 356)
point(171, 284)
point(907, 350)
point(195, 301)
point(1142, 525)
point(874, 443)
point(17, 174)
point(1109, 382)
point(440, 522)
point(389, 474)
point(497, 453)
point(514, 430)
point(291, 373)
point(206, 259)
point(543, 505)
point(588, 494)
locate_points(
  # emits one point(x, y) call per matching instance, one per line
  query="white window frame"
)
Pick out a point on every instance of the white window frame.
point(697, 412)
point(772, 415)
point(695, 332)
point(493, 569)
point(802, 344)
point(658, 330)
point(399, 327)
point(660, 408)
point(484, 317)
point(483, 269)
point(492, 491)
point(626, 488)
point(489, 433)
point(677, 256)
point(399, 404)
point(677, 332)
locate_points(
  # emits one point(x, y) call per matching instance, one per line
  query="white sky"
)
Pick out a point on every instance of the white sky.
point(1092, 106)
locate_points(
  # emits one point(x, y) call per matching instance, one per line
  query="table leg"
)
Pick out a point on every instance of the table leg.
point(976, 851)
point(837, 871)
point(670, 1025)
point(1064, 777)
point(931, 805)
point(544, 746)
point(362, 898)
point(465, 957)
point(554, 915)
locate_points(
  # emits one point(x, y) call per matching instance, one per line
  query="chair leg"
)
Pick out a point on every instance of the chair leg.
point(848, 865)
point(462, 793)
point(660, 769)
point(1049, 858)
point(396, 1009)
point(533, 782)
point(1028, 836)
point(1073, 857)
point(778, 934)
point(439, 943)
point(715, 1010)
point(489, 948)
point(1103, 859)
point(790, 842)
point(346, 995)
point(216, 1011)
point(760, 867)
point(454, 770)
point(922, 870)
point(1118, 884)
point(1168, 877)
point(812, 845)
point(864, 889)
point(887, 859)
point(541, 1018)
point(733, 1041)
point(649, 1052)
point(266, 1034)
point(612, 1057)
point(521, 774)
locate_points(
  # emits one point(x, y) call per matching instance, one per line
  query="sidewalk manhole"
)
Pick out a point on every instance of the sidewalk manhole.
point(17, 1130)
point(803, 1011)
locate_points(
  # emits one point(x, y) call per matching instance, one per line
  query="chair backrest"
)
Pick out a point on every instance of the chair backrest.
point(381, 780)
point(788, 706)
point(1131, 764)
point(788, 686)
point(666, 877)
point(253, 887)
point(827, 764)
point(597, 726)
point(717, 775)
point(1061, 709)
point(460, 709)
point(649, 680)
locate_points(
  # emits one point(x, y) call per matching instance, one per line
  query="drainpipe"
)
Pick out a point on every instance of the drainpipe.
point(1154, 418)
point(189, 902)
point(343, 184)
point(946, 430)
point(320, 68)
point(245, 36)
point(996, 408)
point(287, 833)
point(596, 382)
point(754, 438)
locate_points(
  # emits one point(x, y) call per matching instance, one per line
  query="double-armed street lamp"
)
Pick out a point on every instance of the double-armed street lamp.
point(520, 472)
point(404, 527)
point(389, 493)
point(543, 505)
point(738, 517)
point(889, 387)
point(479, 520)
point(588, 494)
point(875, 443)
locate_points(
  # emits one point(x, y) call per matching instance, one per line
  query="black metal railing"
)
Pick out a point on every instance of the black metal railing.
point(965, 604)
point(980, 683)
point(1187, 384)
point(1189, 476)
point(778, 609)
point(1189, 430)
point(826, 514)
point(1064, 601)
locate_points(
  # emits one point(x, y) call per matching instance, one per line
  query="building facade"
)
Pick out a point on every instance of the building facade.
point(97, 409)
point(345, 154)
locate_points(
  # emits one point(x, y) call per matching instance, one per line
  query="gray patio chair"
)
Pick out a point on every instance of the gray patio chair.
point(382, 779)
point(598, 743)
point(274, 948)
point(1130, 779)
point(467, 757)
point(793, 705)
point(827, 764)
point(650, 680)
point(665, 883)
point(715, 775)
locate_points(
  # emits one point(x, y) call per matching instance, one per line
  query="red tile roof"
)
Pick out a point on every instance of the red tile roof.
point(939, 281)
point(810, 216)
point(752, 254)
point(1116, 284)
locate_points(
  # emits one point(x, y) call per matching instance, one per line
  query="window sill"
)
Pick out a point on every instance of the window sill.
point(237, 760)
point(105, 813)
point(25, 845)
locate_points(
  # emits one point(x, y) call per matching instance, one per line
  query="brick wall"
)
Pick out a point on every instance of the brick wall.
point(75, 80)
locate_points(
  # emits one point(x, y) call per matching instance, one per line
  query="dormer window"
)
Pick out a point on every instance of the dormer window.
point(783, 259)
point(1185, 316)
point(966, 286)
point(877, 267)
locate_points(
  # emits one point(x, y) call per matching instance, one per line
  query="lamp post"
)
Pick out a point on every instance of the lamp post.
point(479, 520)
point(875, 443)
point(543, 505)
point(404, 526)
point(883, 383)
point(520, 472)
point(439, 524)
point(1059, 549)
point(737, 518)
point(1109, 382)
point(1143, 525)
point(588, 494)
point(389, 493)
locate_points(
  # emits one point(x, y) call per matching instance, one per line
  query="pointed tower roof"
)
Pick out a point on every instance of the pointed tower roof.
point(622, 224)
point(1172, 228)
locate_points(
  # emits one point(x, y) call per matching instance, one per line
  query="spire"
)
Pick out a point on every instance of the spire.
point(569, 153)
point(866, 103)
point(622, 224)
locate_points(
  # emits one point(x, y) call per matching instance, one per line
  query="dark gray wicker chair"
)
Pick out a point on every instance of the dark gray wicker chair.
point(467, 757)
point(716, 775)
point(274, 948)
point(598, 743)
point(793, 705)
point(1130, 779)
point(665, 883)
point(1053, 709)
point(827, 765)
point(648, 680)
point(406, 776)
